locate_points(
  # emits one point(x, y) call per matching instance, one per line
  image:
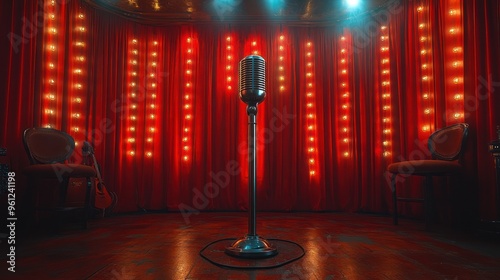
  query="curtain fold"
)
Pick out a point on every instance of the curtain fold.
point(160, 103)
point(482, 97)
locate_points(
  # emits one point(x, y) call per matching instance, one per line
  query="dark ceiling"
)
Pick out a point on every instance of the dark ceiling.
point(291, 11)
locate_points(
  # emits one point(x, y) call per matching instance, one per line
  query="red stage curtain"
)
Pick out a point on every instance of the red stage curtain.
point(161, 106)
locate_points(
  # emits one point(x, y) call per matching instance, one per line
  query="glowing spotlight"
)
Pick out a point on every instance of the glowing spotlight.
point(274, 6)
point(352, 3)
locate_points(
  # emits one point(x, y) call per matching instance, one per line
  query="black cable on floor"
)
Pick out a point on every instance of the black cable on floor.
point(265, 267)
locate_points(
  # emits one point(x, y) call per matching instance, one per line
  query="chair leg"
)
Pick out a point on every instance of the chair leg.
point(33, 208)
point(394, 198)
point(87, 207)
point(60, 212)
point(63, 191)
point(428, 202)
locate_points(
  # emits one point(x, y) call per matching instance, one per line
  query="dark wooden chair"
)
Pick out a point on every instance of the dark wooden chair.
point(49, 151)
point(446, 147)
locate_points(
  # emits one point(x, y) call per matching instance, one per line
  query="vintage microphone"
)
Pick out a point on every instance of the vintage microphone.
point(252, 92)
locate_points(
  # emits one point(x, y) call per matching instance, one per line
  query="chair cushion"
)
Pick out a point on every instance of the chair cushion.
point(59, 170)
point(424, 167)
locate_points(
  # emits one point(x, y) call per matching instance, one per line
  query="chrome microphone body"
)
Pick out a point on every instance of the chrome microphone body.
point(252, 80)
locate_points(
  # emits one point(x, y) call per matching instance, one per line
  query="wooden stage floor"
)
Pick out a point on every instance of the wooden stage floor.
point(337, 246)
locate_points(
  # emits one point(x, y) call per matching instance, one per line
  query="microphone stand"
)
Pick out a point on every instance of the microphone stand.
point(252, 168)
point(251, 245)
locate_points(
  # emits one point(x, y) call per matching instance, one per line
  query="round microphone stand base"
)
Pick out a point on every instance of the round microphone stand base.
point(251, 247)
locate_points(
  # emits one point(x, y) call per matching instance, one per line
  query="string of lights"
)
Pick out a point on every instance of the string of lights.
point(50, 82)
point(426, 70)
point(230, 79)
point(188, 100)
point(281, 63)
point(152, 92)
point(344, 89)
point(78, 80)
point(454, 62)
point(311, 125)
point(133, 88)
point(385, 82)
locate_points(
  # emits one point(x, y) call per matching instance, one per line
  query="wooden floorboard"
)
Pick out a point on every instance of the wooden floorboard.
point(338, 246)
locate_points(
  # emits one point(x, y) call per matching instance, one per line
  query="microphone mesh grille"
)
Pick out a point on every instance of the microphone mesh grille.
point(253, 73)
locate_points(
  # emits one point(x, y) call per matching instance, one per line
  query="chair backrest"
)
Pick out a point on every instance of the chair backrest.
point(47, 145)
point(448, 143)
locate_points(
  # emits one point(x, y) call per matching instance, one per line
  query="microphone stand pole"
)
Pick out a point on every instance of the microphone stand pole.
point(252, 168)
point(252, 246)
